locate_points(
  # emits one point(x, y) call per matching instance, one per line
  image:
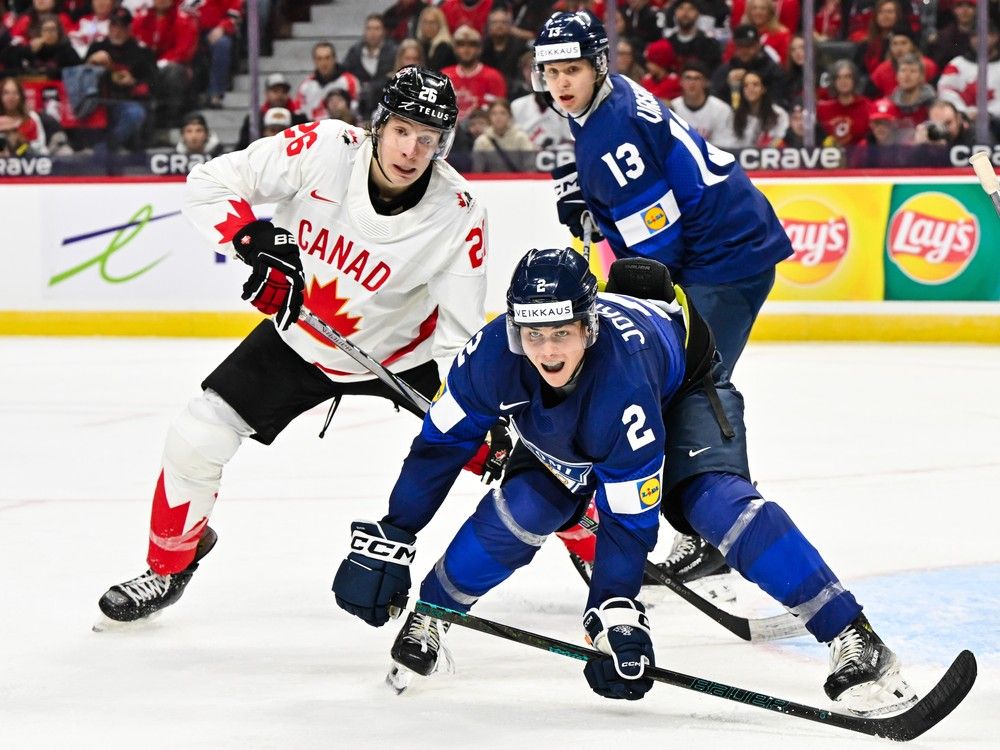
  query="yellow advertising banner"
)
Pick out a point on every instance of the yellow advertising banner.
point(837, 233)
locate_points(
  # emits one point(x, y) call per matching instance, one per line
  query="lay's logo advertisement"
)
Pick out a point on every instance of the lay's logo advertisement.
point(834, 231)
point(820, 239)
point(932, 238)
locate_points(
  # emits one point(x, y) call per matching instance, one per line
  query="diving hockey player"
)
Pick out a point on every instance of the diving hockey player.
point(621, 397)
point(376, 234)
point(656, 189)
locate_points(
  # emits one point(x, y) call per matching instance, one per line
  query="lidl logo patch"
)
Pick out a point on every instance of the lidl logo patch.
point(655, 218)
point(649, 492)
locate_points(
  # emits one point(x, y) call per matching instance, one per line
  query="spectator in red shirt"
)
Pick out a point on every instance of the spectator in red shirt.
point(877, 149)
point(661, 79)
point(218, 26)
point(786, 11)
point(474, 13)
point(902, 42)
point(874, 47)
point(172, 35)
point(401, 18)
point(844, 116)
point(476, 85)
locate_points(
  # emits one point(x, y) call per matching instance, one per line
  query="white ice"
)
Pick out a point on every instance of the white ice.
point(886, 456)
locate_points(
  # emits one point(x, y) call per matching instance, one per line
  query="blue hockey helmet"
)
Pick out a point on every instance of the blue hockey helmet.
point(423, 96)
point(571, 36)
point(551, 287)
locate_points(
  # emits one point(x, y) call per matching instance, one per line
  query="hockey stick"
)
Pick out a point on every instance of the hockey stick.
point(397, 384)
point(950, 690)
point(766, 629)
point(980, 162)
point(755, 629)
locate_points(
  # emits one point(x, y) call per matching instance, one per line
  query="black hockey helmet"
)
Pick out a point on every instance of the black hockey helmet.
point(551, 287)
point(422, 96)
point(571, 36)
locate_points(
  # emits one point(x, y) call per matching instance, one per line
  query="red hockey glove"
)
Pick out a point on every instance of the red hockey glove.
point(276, 283)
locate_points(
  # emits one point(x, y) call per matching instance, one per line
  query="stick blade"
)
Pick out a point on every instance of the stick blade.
point(943, 698)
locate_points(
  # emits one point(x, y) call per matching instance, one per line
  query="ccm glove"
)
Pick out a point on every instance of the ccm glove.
point(619, 628)
point(276, 283)
point(491, 458)
point(570, 205)
point(377, 569)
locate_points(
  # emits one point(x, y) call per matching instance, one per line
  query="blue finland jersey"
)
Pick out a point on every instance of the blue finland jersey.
point(658, 189)
point(607, 436)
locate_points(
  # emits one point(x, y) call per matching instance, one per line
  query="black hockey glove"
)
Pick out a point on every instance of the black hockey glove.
point(491, 458)
point(570, 205)
point(276, 283)
point(619, 628)
point(377, 569)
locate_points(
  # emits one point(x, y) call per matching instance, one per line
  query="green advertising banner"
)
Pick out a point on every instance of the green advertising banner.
point(941, 244)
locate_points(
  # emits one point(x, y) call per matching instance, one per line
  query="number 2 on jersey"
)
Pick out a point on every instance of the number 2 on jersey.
point(634, 418)
point(630, 155)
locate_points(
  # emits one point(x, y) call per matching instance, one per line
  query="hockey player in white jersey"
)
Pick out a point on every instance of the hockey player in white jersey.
point(377, 235)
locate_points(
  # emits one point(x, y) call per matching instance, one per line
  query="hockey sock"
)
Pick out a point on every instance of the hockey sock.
point(760, 541)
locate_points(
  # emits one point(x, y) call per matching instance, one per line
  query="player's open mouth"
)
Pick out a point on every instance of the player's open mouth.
point(405, 171)
point(555, 367)
point(566, 98)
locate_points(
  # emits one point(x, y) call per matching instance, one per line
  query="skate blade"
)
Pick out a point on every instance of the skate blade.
point(105, 624)
point(889, 694)
point(399, 678)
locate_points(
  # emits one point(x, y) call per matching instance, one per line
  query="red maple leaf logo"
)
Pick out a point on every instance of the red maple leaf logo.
point(323, 301)
point(235, 222)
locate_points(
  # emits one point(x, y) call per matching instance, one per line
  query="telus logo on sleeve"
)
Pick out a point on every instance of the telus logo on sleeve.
point(543, 312)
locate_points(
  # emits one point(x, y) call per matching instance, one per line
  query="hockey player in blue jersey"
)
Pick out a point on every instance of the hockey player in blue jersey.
point(658, 190)
point(620, 397)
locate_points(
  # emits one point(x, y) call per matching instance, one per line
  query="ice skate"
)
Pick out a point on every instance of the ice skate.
point(864, 673)
point(418, 649)
point(145, 595)
point(700, 567)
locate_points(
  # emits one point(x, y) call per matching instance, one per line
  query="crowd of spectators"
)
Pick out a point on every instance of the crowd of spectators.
point(890, 73)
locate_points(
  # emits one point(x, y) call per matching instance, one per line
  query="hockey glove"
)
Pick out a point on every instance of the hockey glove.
point(570, 205)
point(619, 628)
point(276, 282)
point(377, 569)
point(491, 458)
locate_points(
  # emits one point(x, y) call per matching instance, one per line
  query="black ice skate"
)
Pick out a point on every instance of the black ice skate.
point(692, 558)
point(418, 650)
point(864, 673)
point(150, 592)
point(700, 566)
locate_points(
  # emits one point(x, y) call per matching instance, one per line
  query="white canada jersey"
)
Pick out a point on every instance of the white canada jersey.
point(403, 288)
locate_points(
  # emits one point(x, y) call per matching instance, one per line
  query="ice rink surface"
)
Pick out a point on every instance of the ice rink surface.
point(887, 457)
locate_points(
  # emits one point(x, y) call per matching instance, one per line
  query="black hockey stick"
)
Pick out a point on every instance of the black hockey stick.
point(766, 629)
point(950, 690)
point(755, 629)
point(397, 384)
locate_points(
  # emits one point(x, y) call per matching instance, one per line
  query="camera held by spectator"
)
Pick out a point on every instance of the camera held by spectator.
point(945, 126)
